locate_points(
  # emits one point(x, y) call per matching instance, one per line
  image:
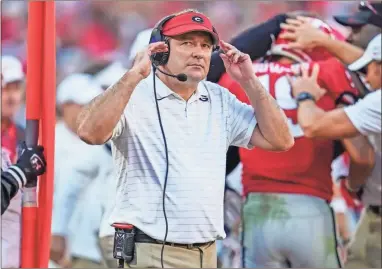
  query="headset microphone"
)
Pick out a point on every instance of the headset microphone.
point(181, 77)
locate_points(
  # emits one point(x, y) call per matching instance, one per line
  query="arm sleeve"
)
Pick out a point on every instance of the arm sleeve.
point(9, 188)
point(255, 41)
point(119, 128)
point(241, 121)
point(366, 114)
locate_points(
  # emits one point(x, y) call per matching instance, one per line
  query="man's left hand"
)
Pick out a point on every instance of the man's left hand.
point(237, 64)
point(307, 83)
point(302, 33)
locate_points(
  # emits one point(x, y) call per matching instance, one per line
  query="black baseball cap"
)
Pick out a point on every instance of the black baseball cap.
point(368, 13)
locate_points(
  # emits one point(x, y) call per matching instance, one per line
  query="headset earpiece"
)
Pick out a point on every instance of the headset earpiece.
point(216, 46)
point(160, 58)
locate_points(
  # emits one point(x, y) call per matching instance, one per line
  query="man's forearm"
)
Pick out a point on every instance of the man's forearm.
point(358, 175)
point(307, 115)
point(98, 119)
point(271, 119)
point(362, 158)
point(344, 51)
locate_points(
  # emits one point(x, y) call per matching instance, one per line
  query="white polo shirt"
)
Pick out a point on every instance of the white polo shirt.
point(366, 117)
point(198, 134)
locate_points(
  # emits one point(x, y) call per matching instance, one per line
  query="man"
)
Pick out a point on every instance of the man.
point(76, 210)
point(364, 118)
point(294, 188)
point(30, 164)
point(204, 119)
point(12, 90)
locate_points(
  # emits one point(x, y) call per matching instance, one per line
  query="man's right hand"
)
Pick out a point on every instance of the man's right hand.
point(58, 249)
point(142, 63)
point(302, 34)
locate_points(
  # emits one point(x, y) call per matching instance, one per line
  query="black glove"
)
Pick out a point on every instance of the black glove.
point(32, 163)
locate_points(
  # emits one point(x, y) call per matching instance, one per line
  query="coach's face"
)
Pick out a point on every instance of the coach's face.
point(11, 98)
point(190, 54)
point(373, 75)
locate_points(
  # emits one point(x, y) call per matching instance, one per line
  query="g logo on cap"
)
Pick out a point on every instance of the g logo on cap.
point(197, 19)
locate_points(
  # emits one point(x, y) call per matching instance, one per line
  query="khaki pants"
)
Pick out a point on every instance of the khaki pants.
point(149, 256)
point(84, 263)
point(107, 244)
point(365, 248)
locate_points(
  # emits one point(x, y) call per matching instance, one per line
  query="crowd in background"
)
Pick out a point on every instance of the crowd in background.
point(93, 34)
point(92, 31)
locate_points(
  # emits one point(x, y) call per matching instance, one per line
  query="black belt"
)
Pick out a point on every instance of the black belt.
point(141, 237)
point(376, 209)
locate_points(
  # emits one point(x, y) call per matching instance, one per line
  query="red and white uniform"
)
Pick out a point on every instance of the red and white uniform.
point(306, 167)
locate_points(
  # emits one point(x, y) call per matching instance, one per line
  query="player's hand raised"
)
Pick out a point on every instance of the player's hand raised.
point(307, 83)
point(302, 34)
point(142, 63)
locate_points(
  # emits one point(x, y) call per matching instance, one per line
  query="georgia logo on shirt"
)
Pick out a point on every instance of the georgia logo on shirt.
point(203, 98)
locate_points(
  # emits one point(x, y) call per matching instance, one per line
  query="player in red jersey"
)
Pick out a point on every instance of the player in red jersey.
point(287, 220)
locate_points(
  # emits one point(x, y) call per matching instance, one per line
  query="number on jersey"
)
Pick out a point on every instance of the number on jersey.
point(283, 97)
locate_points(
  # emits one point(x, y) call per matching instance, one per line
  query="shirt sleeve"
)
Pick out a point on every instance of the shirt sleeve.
point(241, 121)
point(119, 128)
point(366, 114)
point(9, 188)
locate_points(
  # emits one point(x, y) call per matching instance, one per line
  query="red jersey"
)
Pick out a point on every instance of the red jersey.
point(306, 167)
point(11, 137)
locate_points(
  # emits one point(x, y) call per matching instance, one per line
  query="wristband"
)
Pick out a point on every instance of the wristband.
point(302, 96)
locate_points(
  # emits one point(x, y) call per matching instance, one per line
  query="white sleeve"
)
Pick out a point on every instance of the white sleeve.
point(71, 178)
point(366, 114)
point(119, 128)
point(241, 121)
point(339, 168)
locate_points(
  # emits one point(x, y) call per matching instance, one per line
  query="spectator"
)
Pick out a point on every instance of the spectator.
point(12, 90)
point(77, 167)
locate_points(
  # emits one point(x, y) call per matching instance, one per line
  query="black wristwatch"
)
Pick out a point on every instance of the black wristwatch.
point(302, 96)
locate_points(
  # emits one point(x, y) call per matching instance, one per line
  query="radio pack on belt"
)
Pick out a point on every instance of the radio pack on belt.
point(124, 243)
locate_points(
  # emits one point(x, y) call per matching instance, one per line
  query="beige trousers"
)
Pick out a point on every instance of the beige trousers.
point(365, 248)
point(149, 256)
point(85, 263)
point(107, 244)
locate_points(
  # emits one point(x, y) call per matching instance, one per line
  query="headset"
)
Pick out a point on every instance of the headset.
point(160, 59)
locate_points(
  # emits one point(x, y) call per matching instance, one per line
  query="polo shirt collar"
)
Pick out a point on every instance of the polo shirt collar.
point(163, 91)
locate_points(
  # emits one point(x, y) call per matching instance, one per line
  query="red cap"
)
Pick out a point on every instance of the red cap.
point(190, 22)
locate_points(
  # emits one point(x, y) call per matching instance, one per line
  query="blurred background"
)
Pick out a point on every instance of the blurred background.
point(95, 31)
